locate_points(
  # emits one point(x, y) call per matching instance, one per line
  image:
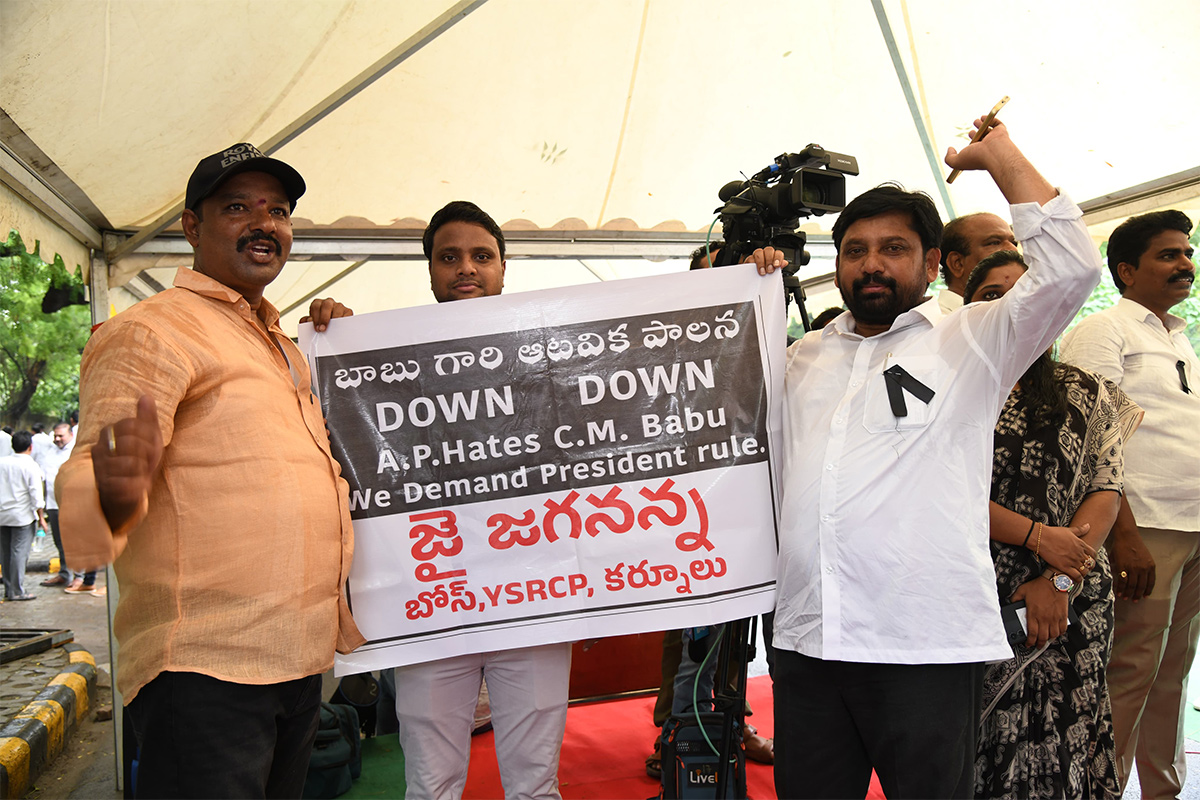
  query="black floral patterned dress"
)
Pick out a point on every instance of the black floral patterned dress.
point(1047, 725)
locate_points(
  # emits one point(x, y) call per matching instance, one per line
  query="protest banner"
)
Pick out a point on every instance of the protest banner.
point(557, 465)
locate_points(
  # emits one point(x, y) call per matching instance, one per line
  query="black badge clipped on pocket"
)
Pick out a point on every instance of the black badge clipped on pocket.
point(898, 381)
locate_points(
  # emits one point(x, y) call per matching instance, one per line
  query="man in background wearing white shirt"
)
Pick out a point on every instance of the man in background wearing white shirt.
point(21, 504)
point(42, 443)
point(60, 451)
point(1155, 543)
point(965, 241)
point(887, 595)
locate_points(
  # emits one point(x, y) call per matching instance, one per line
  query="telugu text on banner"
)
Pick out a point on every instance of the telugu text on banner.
point(557, 465)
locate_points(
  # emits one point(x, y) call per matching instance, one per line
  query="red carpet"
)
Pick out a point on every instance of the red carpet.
point(605, 748)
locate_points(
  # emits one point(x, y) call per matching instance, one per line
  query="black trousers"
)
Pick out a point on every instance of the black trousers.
point(202, 737)
point(916, 724)
point(52, 518)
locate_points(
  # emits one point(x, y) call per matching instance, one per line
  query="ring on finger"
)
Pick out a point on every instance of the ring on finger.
point(112, 440)
point(1124, 574)
point(1089, 562)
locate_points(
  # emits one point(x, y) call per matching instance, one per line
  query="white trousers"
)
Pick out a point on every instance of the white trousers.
point(435, 707)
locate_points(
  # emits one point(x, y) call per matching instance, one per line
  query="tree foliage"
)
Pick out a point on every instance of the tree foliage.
point(39, 353)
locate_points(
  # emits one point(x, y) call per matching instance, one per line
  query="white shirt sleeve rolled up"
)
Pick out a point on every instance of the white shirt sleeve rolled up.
point(884, 554)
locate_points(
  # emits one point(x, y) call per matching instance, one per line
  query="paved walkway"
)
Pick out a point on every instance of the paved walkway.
point(85, 767)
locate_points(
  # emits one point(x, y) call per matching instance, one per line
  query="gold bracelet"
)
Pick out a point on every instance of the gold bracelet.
point(1037, 552)
point(1028, 533)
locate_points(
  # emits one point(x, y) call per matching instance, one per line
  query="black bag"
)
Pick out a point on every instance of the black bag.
point(361, 692)
point(689, 765)
point(336, 758)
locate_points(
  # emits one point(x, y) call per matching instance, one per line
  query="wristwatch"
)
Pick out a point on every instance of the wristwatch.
point(1061, 582)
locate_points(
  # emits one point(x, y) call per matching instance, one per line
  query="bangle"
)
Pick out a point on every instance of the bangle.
point(1025, 543)
point(1038, 550)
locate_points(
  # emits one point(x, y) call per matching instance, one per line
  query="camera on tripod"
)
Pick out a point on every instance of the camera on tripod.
point(766, 209)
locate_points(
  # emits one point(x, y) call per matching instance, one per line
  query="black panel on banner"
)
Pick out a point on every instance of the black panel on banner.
point(439, 424)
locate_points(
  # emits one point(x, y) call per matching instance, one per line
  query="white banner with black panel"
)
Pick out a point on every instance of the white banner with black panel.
point(557, 465)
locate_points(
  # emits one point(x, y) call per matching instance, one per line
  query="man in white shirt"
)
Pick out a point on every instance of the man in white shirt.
point(5, 444)
point(42, 443)
point(21, 509)
point(527, 686)
point(1155, 544)
point(965, 241)
point(887, 596)
point(63, 443)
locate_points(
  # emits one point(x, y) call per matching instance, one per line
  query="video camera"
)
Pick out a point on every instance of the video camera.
point(766, 209)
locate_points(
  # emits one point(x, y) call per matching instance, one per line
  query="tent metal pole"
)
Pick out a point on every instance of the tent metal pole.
point(98, 288)
point(935, 164)
point(397, 56)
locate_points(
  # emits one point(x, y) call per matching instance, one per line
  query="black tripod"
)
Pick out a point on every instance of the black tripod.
point(736, 652)
point(791, 242)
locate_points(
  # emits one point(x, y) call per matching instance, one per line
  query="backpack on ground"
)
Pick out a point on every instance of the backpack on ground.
point(689, 765)
point(337, 753)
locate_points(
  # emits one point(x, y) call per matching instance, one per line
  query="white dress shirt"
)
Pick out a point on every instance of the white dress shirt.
point(949, 301)
point(5, 444)
point(1130, 345)
point(20, 490)
point(884, 554)
point(51, 461)
point(43, 443)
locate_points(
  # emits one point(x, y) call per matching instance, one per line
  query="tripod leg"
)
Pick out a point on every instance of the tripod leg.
point(734, 648)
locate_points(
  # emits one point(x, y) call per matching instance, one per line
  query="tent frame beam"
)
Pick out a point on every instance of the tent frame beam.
point(405, 245)
point(1159, 193)
point(935, 163)
point(409, 47)
point(28, 184)
point(292, 306)
point(331, 103)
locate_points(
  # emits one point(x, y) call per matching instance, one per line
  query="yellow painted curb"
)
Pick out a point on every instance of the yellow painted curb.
point(51, 714)
point(82, 657)
point(33, 738)
point(14, 755)
point(78, 684)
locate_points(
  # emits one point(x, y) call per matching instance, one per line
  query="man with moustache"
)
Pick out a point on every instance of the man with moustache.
point(965, 241)
point(224, 466)
point(886, 604)
point(1154, 545)
point(527, 686)
point(64, 443)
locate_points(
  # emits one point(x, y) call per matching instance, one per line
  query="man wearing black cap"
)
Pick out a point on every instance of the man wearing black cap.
point(203, 473)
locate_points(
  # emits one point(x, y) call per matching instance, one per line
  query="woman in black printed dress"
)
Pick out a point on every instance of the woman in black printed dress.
point(1046, 730)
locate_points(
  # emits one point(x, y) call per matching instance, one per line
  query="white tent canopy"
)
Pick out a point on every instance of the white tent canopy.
point(594, 131)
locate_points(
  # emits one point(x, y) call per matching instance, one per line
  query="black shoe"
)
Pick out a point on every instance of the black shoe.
point(654, 761)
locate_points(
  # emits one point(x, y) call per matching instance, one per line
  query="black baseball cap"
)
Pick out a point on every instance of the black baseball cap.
point(214, 170)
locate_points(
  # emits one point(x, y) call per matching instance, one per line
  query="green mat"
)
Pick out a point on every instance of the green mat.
point(382, 769)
